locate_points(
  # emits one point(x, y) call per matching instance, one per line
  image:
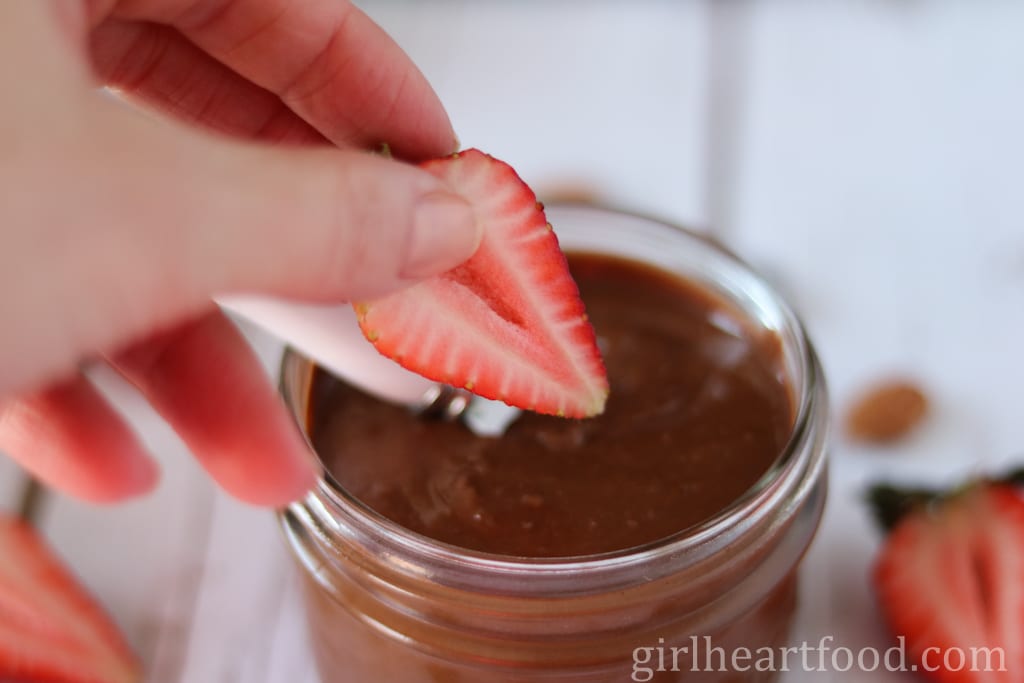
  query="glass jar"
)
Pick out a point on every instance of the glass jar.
point(387, 605)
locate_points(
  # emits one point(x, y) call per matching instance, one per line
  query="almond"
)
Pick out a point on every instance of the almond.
point(887, 412)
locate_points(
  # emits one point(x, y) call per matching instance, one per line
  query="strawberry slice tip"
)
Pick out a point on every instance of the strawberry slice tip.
point(51, 631)
point(508, 324)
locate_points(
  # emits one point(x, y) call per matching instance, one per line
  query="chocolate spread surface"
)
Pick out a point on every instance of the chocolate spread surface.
point(699, 410)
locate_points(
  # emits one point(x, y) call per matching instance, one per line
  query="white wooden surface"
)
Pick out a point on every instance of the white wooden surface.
point(868, 156)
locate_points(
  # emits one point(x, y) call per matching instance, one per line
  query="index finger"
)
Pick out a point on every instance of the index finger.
point(325, 59)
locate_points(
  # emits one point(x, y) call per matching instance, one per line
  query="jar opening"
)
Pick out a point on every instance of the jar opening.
point(785, 484)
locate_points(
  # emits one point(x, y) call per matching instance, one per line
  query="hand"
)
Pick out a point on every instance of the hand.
point(117, 227)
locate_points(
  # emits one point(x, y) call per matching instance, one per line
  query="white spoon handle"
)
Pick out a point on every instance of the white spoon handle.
point(330, 335)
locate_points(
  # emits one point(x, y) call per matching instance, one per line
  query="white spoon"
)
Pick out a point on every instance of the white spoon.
point(330, 335)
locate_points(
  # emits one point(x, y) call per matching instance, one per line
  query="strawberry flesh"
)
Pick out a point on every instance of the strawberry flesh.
point(951, 578)
point(508, 324)
point(51, 631)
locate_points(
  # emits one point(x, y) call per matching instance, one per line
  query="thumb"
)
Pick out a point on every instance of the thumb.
point(217, 216)
point(120, 224)
point(321, 224)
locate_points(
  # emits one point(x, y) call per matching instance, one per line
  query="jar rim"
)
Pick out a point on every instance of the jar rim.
point(790, 476)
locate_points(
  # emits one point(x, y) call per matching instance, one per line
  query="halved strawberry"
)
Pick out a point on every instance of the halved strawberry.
point(950, 579)
point(508, 324)
point(51, 631)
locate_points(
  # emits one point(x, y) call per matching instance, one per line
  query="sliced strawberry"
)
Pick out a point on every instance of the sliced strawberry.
point(51, 631)
point(508, 324)
point(950, 579)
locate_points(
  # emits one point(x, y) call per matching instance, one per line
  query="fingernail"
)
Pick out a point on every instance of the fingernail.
point(444, 234)
point(142, 477)
point(137, 478)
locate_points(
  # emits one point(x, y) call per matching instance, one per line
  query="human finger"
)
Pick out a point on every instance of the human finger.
point(158, 66)
point(325, 59)
point(206, 382)
point(154, 218)
point(68, 436)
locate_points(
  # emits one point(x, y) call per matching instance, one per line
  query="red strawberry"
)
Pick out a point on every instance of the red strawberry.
point(950, 579)
point(51, 631)
point(508, 324)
